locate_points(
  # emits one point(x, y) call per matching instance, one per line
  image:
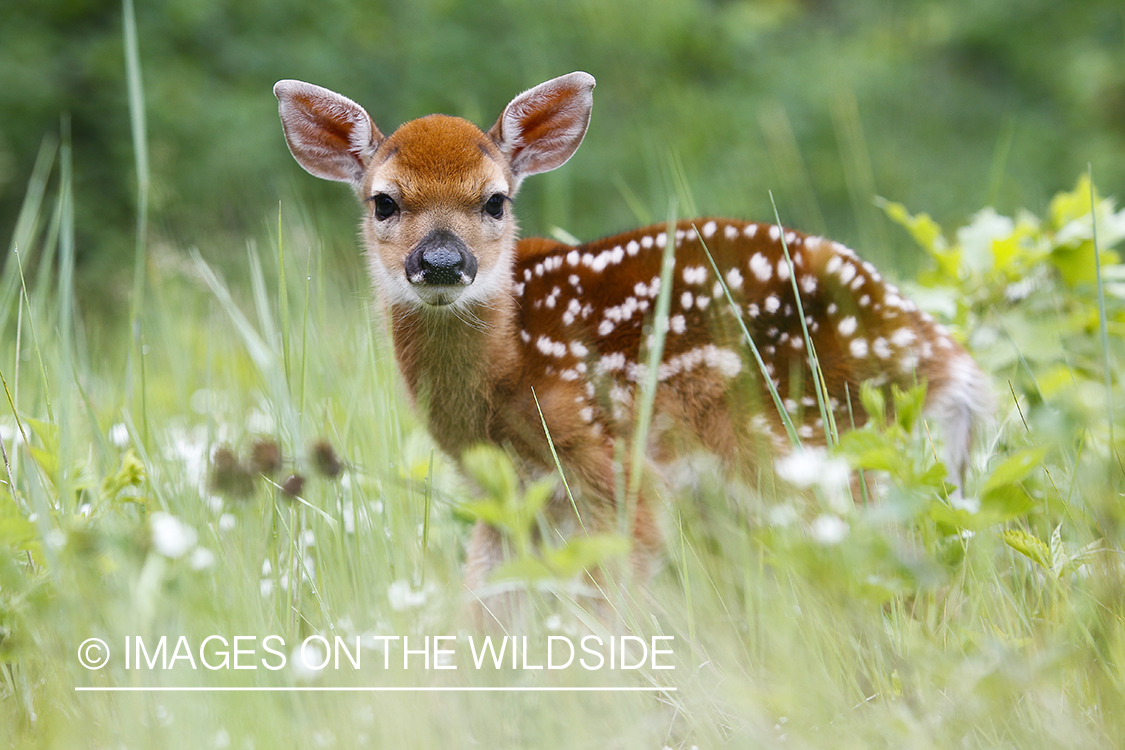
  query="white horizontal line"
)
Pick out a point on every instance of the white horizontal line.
point(317, 689)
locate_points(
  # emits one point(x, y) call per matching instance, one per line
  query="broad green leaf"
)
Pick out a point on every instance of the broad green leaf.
point(1015, 469)
point(1066, 207)
point(1005, 502)
point(492, 470)
point(869, 449)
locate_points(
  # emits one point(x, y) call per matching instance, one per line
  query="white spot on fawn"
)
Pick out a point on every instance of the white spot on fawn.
point(734, 279)
point(632, 247)
point(687, 300)
point(611, 363)
point(760, 267)
point(783, 270)
point(775, 232)
point(847, 326)
point(708, 229)
point(727, 362)
point(730, 231)
point(750, 230)
point(550, 348)
point(678, 323)
point(695, 275)
point(646, 242)
point(903, 337)
point(858, 348)
point(772, 303)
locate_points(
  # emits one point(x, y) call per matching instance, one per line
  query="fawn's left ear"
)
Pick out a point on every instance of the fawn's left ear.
point(542, 127)
point(329, 135)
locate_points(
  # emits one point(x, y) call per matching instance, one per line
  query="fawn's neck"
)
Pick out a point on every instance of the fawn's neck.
point(453, 364)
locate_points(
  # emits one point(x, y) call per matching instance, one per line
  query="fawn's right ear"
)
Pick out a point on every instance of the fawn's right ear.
point(329, 135)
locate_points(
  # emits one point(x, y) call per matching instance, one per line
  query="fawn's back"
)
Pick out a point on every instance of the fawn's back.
point(496, 337)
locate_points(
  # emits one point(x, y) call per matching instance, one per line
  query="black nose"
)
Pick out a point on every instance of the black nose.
point(441, 259)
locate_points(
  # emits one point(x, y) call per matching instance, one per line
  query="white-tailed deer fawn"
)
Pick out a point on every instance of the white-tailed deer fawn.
point(482, 321)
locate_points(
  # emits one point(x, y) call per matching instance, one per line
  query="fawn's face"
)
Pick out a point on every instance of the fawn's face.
point(437, 192)
point(437, 221)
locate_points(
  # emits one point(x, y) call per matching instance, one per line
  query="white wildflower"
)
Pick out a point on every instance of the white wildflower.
point(811, 467)
point(119, 435)
point(782, 515)
point(170, 536)
point(829, 529)
point(403, 596)
point(202, 558)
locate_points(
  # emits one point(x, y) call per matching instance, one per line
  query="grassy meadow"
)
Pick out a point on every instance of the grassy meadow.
point(217, 444)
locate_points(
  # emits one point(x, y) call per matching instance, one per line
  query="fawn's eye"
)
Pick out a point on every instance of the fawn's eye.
point(494, 206)
point(385, 206)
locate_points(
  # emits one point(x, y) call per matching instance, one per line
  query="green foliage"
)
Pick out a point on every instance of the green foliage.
point(518, 516)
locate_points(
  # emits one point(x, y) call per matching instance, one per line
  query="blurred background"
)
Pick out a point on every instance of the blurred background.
point(943, 105)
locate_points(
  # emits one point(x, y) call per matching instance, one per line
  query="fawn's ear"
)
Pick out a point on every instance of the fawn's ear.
point(329, 135)
point(542, 127)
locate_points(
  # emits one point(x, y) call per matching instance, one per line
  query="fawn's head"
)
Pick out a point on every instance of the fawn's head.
point(436, 192)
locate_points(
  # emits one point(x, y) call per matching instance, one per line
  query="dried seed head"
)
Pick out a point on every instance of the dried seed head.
point(326, 460)
point(293, 486)
point(265, 457)
point(229, 477)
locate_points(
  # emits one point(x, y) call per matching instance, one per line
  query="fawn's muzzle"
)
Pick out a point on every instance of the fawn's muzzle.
point(441, 259)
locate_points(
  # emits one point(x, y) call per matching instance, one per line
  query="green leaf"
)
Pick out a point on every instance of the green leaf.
point(908, 405)
point(1028, 545)
point(869, 449)
point(1066, 207)
point(922, 228)
point(492, 470)
point(1005, 503)
point(874, 402)
point(584, 553)
point(1015, 469)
